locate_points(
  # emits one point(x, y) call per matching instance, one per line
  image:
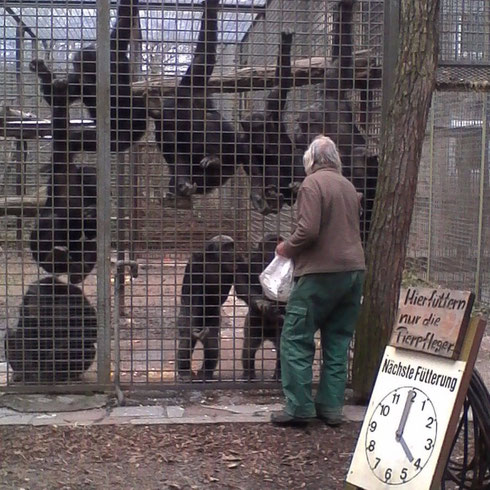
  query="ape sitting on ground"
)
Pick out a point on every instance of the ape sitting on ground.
point(207, 282)
point(56, 334)
point(265, 318)
point(128, 111)
point(64, 237)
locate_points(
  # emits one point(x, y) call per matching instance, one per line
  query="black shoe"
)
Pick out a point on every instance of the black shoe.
point(283, 419)
point(332, 421)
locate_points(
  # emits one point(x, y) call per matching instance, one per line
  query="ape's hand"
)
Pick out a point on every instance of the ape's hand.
point(38, 66)
point(294, 186)
point(266, 308)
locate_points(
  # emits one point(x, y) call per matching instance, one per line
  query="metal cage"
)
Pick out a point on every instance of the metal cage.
point(132, 167)
point(449, 240)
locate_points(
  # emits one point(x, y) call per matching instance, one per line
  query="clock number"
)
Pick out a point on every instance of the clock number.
point(430, 421)
point(423, 405)
point(396, 398)
point(429, 445)
point(388, 474)
point(378, 460)
point(373, 425)
point(403, 474)
point(414, 394)
point(417, 464)
point(385, 410)
point(371, 446)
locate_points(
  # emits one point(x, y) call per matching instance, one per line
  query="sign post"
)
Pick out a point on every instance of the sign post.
point(416, 402)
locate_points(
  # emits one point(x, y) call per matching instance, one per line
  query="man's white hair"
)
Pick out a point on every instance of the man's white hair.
point(322, 153)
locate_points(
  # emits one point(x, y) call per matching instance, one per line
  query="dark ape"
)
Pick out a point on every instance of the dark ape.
point(272, 148)
point(207, 282)
point(64, 238)
point(55, 337)
point(265, 318)
point(334, 117)
point(200, 147)
point(128, 111)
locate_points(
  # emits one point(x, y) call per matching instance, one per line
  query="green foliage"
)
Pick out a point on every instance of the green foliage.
point(411, 278)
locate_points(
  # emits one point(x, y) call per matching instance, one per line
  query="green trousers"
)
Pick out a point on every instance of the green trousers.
point(328, 302)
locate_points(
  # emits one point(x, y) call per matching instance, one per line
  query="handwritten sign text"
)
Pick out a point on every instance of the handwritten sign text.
point(432, 320)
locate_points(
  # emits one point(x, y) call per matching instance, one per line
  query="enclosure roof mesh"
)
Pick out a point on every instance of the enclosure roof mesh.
point(158, 24)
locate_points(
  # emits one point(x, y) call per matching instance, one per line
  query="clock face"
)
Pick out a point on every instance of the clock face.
point(401, 435)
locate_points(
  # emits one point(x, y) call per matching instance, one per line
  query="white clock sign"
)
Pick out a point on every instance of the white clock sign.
point(406, 421)
point(411, 413)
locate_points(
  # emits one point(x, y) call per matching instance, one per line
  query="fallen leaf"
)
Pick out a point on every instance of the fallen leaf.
point(231, 458)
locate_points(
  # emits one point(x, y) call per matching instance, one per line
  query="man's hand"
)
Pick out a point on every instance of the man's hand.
point(360, 197)
point(281, 250)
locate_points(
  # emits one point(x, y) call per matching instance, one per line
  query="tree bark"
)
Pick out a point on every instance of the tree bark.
point(401, 148)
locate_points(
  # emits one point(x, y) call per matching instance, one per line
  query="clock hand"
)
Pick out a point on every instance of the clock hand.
point(403, 420)
point(406, 449)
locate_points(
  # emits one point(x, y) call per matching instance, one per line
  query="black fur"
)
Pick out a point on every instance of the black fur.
point(207, 282)
point(128, 111)
point(334, 116)
point(201, 148)
point(64, 237)
point(265, 318)
point(279, 164)
point(55, 337)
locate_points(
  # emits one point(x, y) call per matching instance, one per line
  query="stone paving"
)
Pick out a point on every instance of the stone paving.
point(101, 409)
point(82, 410)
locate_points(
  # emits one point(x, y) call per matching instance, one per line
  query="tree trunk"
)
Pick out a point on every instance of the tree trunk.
point(400, 152)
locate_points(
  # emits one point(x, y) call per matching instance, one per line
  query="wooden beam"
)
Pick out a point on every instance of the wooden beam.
point(305, 71)
point(156, 5)
point(463, 86)
point(25, 125)
point(22, 205)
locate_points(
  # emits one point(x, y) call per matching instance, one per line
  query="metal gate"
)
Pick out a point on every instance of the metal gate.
point(151, 156)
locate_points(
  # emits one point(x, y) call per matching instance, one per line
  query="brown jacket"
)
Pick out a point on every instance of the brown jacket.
point(327, 236)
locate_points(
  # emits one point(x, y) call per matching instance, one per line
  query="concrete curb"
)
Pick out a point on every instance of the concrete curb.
point(155, 414)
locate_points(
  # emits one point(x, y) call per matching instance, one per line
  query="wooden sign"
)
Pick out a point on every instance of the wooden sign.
point(432, 320)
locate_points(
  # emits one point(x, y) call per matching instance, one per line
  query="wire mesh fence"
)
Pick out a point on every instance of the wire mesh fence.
point(449, 237)
point(151, 158)
point(150, 166)
point(449, 241)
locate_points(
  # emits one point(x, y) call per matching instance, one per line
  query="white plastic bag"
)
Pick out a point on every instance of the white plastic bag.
point(277, 279)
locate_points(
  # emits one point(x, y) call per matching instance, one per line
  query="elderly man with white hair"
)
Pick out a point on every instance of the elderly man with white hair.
point(329, 273)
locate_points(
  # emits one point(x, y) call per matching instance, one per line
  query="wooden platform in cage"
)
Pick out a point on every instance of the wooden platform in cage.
point(305, 71)
point(452, 77)
point(24, 205)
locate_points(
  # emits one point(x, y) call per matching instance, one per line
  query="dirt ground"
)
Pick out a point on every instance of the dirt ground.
point(245, 456)
point(182, 457)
